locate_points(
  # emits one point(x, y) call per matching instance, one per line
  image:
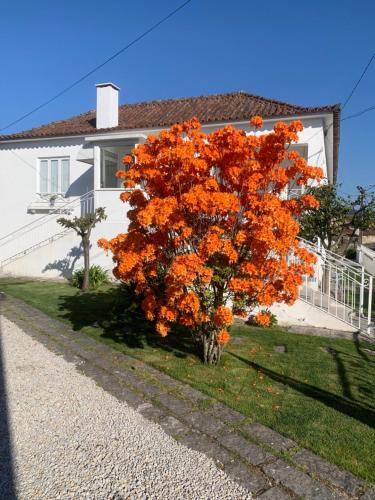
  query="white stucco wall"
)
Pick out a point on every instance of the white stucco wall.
point(59, 258)
point(312, 135)
point(366, 257)
point(19, 176)
point(304, 314)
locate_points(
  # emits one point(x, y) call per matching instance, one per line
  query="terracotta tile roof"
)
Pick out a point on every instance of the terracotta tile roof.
point(235, 106)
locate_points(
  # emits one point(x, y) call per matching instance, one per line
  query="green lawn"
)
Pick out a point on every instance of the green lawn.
point(324, 402)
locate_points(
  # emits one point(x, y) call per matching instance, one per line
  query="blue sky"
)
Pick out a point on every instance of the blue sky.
point(307, 53)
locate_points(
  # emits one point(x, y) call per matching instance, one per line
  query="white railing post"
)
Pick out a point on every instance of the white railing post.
point(369, 310)
point(362, 291)
point(329, 286)
point(319, 244)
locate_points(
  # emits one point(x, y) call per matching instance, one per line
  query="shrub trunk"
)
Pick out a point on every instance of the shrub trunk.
point(210, 348)
point(86, 260)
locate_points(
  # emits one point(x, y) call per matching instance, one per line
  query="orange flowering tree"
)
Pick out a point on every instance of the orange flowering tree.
point(210, 235)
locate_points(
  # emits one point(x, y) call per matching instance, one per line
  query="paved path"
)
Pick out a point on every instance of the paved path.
point(249, 453)
point(73, 440)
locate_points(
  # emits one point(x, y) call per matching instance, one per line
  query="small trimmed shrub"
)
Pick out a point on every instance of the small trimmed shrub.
point(98, 277)
point(263, 318)
point(351, 253)
point(273, 320)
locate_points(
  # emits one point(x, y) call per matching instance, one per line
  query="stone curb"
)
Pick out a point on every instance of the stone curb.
point(248, 452)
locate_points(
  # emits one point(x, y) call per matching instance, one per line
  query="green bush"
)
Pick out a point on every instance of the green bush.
point(98, 277)
point(351, 253)
point(273, 319)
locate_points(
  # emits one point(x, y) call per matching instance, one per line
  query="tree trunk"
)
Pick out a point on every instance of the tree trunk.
point(86, 260)
point(212, 349)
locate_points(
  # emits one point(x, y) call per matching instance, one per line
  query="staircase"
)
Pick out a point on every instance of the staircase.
point(42, 231)
point(341, 288)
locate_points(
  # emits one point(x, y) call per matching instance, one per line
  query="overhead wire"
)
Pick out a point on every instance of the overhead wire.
point(358, 81)
point(350, 95)
point(99, 66)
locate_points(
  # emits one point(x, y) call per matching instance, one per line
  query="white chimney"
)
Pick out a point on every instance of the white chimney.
point(106, 105)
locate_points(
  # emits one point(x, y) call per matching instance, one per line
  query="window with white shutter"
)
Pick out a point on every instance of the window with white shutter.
point(54, 175)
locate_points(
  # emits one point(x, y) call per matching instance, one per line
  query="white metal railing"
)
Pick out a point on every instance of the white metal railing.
point(43, 229)
point(340, 287)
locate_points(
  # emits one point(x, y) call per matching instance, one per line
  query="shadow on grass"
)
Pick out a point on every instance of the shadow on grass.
point(362, 371)
point(15, 282)
point(353, 409)
point(342, 374)
point(118, 317)
point(359, 350)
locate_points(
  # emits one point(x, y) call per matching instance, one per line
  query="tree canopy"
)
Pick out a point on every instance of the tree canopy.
point(209, 234)
point(338, 220)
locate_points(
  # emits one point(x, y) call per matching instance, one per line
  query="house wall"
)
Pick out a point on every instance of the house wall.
point(18, 189)
point(19, 176)
point(58, 259)
point(312, 135)
point(369, 240)
point(302, 314)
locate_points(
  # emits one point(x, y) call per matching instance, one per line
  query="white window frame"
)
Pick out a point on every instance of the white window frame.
point(49, 191)
point(121, 167)
point(297, 191)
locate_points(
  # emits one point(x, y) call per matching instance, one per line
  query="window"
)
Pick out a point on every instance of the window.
point(53, 175)
point(110, 163)
point(294, 190)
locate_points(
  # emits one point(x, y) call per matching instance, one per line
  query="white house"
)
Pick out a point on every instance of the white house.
point(68, 167)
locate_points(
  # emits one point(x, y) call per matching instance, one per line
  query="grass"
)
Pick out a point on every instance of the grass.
point(326, 403)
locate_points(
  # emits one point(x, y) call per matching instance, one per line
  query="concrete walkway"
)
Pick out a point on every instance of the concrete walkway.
point(73, 440)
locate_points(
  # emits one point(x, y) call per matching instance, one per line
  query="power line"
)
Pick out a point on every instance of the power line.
point(349, 117)
point(359, 81)
point(359, 113)
point(116, 54)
